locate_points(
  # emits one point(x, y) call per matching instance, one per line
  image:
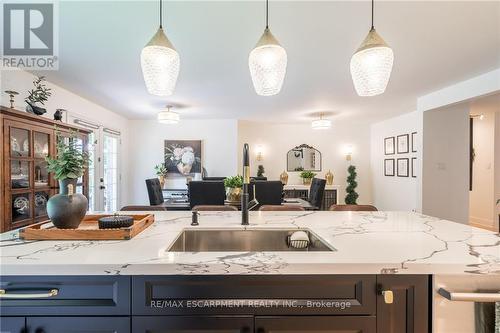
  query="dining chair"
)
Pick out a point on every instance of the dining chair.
point(316, 192)
point(214, 208)
point(143, 208)
point(353, 208)
point(267, 192)
point(280, 208)
point(202, 192)
point(154, 192)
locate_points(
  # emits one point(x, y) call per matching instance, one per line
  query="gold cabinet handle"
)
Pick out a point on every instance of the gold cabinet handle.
point(50, 293)
point(388, 296)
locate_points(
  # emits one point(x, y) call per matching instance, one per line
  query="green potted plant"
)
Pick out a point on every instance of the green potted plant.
point(233, 187)
point(67, 209)
point(161, 172)
point(307, 176)
point(40, 94)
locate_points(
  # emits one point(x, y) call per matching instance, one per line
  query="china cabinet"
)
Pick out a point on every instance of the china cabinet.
point(26, 140)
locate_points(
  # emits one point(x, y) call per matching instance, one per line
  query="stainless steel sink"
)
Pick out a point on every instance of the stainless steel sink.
point(223, 240)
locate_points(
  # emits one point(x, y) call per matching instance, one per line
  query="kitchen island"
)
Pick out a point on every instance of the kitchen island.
point(377, 277)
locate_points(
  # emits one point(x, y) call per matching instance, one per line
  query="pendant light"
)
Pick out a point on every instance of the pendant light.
point(267, 62)
point(321, 123)
point(371, 65)
point(168, 117)
point(160, 63)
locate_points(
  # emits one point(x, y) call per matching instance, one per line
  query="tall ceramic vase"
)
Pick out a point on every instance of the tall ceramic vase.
point(67, 209)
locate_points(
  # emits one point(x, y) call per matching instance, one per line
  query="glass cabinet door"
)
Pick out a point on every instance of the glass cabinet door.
point(19, 142)
point(41, 143)
point(19, 174)
point(21, 207)
point(41, 199)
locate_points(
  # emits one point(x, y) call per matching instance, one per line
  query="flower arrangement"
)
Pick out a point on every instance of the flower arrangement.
point(182, 157)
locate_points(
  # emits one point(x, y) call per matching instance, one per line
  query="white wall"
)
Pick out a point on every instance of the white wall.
point(445, 180)
point(277, 139)
point(76, 105)
point(393, 193)
point(497, 171)
point(219, 149)
point(481, 204)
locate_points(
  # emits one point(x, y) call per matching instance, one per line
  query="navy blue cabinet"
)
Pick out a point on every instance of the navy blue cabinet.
point(215, 304)
point(12, 325)
point(310, 324)
point(193, 324)
point(78, 324)
point(65, 295)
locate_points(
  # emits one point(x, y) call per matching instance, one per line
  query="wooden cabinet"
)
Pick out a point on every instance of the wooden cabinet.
point(26, 140)
point(409, 310)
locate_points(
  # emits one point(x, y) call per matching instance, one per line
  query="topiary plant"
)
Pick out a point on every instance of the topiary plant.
point(351, 196)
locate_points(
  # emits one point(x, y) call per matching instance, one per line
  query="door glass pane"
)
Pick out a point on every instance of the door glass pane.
point(91, 148)
point(41, 174)
point(19, 142)
point(20, 207)
point(41, 144)
point(41, 199)
point(19, 174)
point(110, 165)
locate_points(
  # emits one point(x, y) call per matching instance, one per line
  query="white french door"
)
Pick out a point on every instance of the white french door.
point(104, 168)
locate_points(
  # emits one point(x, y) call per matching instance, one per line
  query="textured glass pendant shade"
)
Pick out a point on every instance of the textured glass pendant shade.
point(371, 65)
point(267, 63)
point(160, 65)
point(168, 117)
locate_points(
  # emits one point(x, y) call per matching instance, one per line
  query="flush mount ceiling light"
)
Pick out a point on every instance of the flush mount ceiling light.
point(321, 123)
point(371, 65)
point(168, 117)
point(160, 63)
point(267, 63)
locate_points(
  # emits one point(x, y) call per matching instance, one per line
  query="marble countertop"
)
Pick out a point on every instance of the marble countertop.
point(365, 243)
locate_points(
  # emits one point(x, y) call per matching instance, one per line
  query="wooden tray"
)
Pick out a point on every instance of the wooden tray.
point(87, 230)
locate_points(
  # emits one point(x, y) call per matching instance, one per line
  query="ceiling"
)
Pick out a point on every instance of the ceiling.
point(435, 44)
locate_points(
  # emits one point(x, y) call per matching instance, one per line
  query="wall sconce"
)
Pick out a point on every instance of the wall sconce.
point(259, 152)
point(348, 152)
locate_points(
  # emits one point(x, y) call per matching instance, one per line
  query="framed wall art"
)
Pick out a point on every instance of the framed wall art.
point(403, 144)
point(414, 167)
point(403, 167)
point(414, 142)
point(389, 146)
point(389, 167)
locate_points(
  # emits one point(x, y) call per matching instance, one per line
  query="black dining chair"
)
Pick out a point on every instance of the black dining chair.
point(266, 192)
point(203, 192)
point(316, 192)
point(154, 192)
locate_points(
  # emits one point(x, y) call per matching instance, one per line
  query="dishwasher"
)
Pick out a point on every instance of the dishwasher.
point(466, 304)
